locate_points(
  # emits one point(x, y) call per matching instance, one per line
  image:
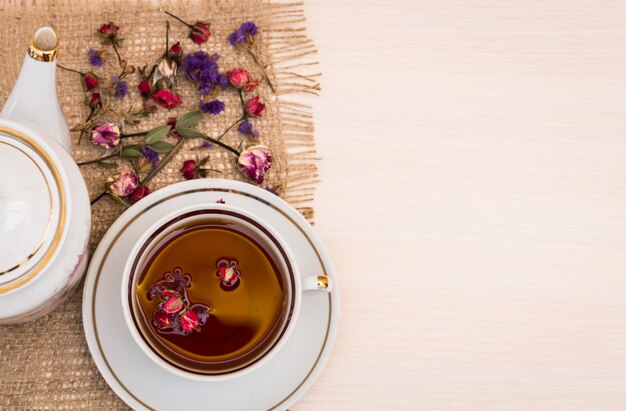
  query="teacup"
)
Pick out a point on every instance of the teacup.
point(212, 292)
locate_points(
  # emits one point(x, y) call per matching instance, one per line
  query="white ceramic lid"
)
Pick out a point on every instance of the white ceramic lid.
point(32, 209)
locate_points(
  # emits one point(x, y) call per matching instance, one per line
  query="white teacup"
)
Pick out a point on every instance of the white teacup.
point(282, 256)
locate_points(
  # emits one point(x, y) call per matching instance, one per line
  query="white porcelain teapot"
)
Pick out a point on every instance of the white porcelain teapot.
point(44, 205)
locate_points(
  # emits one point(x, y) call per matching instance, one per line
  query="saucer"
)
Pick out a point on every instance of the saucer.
point(144, 385)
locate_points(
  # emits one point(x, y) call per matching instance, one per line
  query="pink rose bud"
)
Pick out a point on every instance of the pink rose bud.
point(140, 193)
point(167, 98)
point(174, 302)
point(200, 32)
point(144, 88)
point(161, 319)
point(106, 135)
point(91, 81)
point(254, 106)
point(254, 162)
point(124, 184)
point(189, 169)
point(251, 86)
point(167, 69)
point(238, 77)
point(189, 321)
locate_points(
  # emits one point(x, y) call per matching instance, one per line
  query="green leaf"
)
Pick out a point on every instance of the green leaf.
point(189, 133)
point(118, 200)
point(161, 146)
point(108, 165)
point(188, 120)
point(157, 134)
point(130, 153)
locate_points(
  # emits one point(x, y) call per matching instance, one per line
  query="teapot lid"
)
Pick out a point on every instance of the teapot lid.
point(32, 208)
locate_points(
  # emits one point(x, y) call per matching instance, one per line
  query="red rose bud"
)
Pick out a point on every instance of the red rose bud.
point(91, 81)
point(189, 321)
point(140, 193)
point(238, 77)
point(144, 88)
point(166, 98)
point(109, 29)
point(176, 50)
point(251, 86)
point(95, 101)
point(254, 106)
point(200, 32)
point(189, 169)
point(161, 319)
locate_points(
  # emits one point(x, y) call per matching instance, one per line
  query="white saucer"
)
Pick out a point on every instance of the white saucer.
point(144, 385)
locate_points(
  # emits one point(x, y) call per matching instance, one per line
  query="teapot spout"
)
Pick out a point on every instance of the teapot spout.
point(34, 97)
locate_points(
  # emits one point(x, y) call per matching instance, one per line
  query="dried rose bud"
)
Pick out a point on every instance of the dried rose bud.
point(124, 184)
point(189, 169)
point(174, 302)
point(254, 107)
point(140, 193)
point(144, 88)
point(200, 32)
point(90, 80)
point(167, 69)
point(189, 321)
point(106, 135)
point(95, 101)
point(166, 98)
point(254, 162)
point(176, 50)
point(251, 86)
point(109, 30)
point(238, 77)
point(130, 69)
point(161, 319)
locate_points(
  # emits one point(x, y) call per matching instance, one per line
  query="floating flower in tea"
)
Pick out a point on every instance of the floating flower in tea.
point(175, 314)
point(228, 272)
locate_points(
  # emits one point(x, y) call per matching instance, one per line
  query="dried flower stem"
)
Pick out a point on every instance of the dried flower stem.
point(69, 69)
point(179, 19)
point(119, 58)
point(224, 146)
point(230, 127)
point(262, 67)
point(95, 200)
point(97, 160)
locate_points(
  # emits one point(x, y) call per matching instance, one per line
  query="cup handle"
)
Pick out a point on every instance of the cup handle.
point(317, 282)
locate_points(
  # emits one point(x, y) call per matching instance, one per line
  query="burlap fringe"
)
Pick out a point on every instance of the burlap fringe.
point(294, 72)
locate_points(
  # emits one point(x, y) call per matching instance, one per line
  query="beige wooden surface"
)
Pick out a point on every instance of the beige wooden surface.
point(474, 202)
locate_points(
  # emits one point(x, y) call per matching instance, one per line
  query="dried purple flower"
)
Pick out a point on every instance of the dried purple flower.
point(150, 155)
point(245, 127)
point(206, 144)
point(203, 69)
point(214, 107)
point(244, 34)
point(95, 57)
point(121, 87)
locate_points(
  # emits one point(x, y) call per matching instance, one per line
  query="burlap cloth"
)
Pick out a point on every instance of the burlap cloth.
point(45, 364)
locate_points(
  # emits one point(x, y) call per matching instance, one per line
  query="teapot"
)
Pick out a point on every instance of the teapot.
point(44, 204)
